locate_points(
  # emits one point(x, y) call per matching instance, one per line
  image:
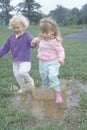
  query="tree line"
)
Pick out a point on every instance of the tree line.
point(31, 10)
point(66, 16)
point(28, 8)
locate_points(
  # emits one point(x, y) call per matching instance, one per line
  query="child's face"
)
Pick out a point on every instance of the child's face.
point(48, 35)
point(18, 28)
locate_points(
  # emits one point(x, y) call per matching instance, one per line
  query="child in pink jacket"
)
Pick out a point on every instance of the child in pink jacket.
point(51, 56)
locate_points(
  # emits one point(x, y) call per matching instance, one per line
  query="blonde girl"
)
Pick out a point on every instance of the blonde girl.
point(19, 43)
point(51, 55)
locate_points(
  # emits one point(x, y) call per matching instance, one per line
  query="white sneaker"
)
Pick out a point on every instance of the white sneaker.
point(20, 91)
point(32, 82)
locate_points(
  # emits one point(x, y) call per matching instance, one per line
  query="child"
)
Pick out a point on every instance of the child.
point(51, 55)
point(19, 42)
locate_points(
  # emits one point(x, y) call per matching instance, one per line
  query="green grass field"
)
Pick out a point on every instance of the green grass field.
point(75, 67)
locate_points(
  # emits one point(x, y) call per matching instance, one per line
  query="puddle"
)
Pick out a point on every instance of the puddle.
point(43, 108)
point(40, 108)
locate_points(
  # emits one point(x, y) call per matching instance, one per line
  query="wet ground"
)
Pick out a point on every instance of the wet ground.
point(42, 109)
point(42, 105)
point(39, 109)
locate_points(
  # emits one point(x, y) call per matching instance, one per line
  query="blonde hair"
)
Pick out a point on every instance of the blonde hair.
point(19, 19)
point(48, 24)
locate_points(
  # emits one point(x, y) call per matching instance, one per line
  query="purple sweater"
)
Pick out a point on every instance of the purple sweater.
point(20, 47)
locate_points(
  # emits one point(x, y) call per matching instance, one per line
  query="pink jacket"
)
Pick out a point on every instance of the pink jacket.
point(51, 49)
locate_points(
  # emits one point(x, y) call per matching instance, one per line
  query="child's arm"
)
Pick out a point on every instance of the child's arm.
point(4, 49)
point(61, 55)
point(35, 41)
point(60, 51)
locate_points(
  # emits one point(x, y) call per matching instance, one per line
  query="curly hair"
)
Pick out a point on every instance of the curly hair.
point(19, 19)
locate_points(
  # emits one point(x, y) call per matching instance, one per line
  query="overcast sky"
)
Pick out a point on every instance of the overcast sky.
point(48, 5)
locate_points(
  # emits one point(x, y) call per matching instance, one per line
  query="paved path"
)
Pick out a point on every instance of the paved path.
point(82, 36)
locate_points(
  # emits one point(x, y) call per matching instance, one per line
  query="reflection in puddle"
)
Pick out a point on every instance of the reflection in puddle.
point(40, 108)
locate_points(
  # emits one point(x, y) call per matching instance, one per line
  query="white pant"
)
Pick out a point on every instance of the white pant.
point(20, 70)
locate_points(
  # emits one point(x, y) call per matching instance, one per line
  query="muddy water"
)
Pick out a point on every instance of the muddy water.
point(40, 108)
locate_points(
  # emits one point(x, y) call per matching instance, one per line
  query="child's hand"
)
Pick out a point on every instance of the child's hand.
point(61, 62)
point(33, 43)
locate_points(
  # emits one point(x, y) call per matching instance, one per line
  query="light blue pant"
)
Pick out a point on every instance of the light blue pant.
point(49, 71)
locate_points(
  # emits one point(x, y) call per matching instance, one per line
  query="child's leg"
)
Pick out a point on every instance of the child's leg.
point(54, 81)
point(25, 67)
point(19, 80)
point(43, 74)
point(20, 70)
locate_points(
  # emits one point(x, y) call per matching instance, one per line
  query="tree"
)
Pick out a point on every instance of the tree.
point(59, 14)
point(30, 9)
point(66, 16)
point(75, 12)
point(5, 11)
point(84, 13)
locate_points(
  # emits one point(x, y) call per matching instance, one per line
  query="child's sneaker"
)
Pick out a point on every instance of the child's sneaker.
point(58, 97)
point(20, 91)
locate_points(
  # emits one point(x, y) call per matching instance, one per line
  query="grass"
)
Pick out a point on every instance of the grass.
point(75, 60)
point(75, 67)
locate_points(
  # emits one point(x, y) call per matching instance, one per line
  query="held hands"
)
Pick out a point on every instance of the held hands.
point(34, 42)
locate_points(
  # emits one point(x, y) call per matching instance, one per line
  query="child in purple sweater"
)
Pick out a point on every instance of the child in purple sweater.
point(19, 43)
